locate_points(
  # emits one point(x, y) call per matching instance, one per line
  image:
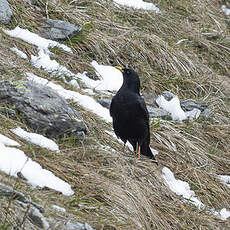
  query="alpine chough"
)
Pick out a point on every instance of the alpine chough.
point(130, 115)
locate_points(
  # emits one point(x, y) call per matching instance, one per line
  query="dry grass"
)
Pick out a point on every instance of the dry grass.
point(184, 49)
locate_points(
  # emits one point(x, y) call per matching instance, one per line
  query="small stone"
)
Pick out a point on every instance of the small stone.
point(5, 12)
point(158, 113)
point(206, 113)
point(168, 95)
point(35, 216)
point(150, 98)
point(190, 104)
point(105, 102)
point(58, 30)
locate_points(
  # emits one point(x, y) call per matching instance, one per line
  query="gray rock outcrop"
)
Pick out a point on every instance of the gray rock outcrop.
point(44, 111)
point(5, 12)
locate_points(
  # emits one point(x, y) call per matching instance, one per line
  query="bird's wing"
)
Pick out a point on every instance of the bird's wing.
point(143, 108)
point(111, 108)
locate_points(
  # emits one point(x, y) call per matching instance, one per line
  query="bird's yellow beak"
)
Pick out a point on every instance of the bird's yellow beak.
point(119, 68)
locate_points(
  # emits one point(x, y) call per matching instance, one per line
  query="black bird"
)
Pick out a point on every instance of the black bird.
point(130, 115)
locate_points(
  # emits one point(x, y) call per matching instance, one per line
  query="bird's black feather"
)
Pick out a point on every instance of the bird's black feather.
point(130, 115)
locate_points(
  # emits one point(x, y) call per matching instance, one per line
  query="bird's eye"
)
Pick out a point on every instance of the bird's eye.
point(128, 72)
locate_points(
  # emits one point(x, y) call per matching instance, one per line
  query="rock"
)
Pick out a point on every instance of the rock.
point(158, 113)
point(34, 210)
point(206, 113)
point(35, 216)
point(168, 95)
point(15, 195)
point(190, 104)
point(5, 12)
point(58, 30)
point(44, 111)
point(105, 102)
point(150, 98)
point(78, 226)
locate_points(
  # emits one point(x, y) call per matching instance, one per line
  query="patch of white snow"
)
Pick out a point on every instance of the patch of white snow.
point(19, 52)
point(225, 10)
point(180, 187)
point(36, 139)
point(172, 106)
point(7, 141)
point(138, 4)
point(57, 208)
point(35, 39)
point(224, 214)
point(225, 179)
point(13, 161)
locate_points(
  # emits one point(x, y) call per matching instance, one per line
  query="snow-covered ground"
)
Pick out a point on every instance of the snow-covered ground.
point(110, 78)
point(36, 139)
point(180, 187)
point(57, 208)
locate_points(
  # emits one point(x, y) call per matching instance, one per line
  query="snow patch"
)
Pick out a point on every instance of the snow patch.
point(138, 4)
point(110, 78)
point(172, 106)
point(180, 187)
point(225, 10)
point(225, 179)
point(36, 139)
point(19, 52)
point(224, 214)
point(35, 39)
point(13, 161)
point(195, 113)
point(7, 141)
point(51, 66)
point(57, 208)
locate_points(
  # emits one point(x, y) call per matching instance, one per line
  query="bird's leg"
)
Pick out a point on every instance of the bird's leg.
point(138, 151)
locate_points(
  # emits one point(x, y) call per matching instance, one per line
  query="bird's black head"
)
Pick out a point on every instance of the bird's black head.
point(131, 80)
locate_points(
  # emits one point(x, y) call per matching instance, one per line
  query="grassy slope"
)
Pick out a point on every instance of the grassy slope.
point(115, 189)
